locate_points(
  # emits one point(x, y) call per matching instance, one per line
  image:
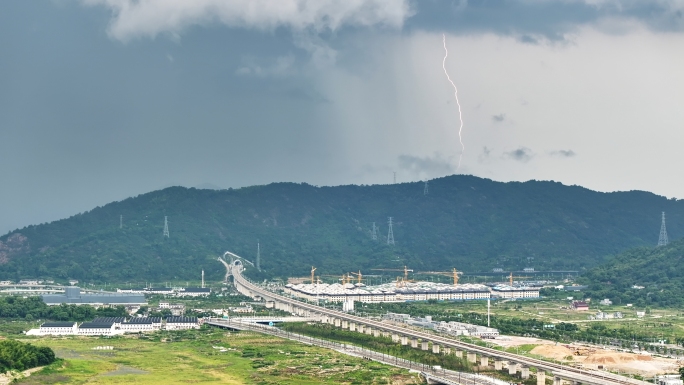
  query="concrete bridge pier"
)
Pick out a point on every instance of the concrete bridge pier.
point(337, 322)
point(345, 324)
point(557, 380)
point(458, 353)
point(524, 372)
point(447, 350)
point(423, 345)
point(435, 348)
point(541, 377)
point(472, 357)
point(512, 368)
point(361, 329)
point(414, 343)
point(498, 365)
point(404, 340)
point(395, 337)
point(369, 330)
point(376, 333)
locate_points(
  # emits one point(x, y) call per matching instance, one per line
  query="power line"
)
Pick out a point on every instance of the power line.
point(166, 227)
point(390, 233)
point(662, 240)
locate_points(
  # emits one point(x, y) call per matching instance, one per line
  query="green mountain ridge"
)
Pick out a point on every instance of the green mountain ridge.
point(466, 222)
point(642, 276)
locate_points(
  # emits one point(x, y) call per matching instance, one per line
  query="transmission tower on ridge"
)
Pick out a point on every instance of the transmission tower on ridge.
point(258, 259)
point(425, 190)
point(390, 234)
point(662, 240)
point(374, 233)
point(166, 227)
point(121, 221)
point(395, 177)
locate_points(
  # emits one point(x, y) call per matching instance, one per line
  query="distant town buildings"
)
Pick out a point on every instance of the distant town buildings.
point(176, 292)
point(579, 306)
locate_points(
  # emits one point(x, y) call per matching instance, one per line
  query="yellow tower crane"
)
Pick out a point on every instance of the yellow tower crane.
point(405, 270)
point(312, 274)
point(510, 278)
point(359, 276)
point(454, 274)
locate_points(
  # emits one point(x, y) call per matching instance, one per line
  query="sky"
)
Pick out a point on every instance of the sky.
point(105, 99)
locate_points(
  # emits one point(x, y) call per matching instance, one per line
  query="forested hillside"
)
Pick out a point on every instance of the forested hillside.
point(642, 276)
point(469, 223)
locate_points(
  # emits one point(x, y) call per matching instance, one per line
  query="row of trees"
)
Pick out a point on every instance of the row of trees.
point(32, 308)
point(15, 355)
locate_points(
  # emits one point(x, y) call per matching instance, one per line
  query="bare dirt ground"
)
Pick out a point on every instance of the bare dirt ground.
point(511, 341)
point(594, 357)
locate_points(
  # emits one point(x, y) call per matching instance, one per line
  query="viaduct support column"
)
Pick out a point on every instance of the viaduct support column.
point(404, 340)
point(498, 364)
point(472, 357)
point(376, 333)
point(414, 343)
point(361, 329)
point(541, 377)
point(525, 372)
point(395, 337)
point(435, 348)
point(352, 326)
point(557, 380)
point(337, 322)
point(484, 361)
point(369, 330)
point(458, 353)
point(512, 368)
point(345, 324)
point(447, 350)
point(423, 345)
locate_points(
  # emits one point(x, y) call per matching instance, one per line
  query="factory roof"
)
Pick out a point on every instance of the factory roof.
point(181, 320)
point(115, 320)
point(58, 324)
point(387, 288)
point(96, 325)
point(144, 320)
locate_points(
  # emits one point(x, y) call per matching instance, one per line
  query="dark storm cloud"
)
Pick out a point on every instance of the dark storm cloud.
point(564, 153)
point(499, 118)
point(522, 154)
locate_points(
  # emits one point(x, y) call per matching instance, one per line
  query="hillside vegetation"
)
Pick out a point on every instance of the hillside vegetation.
point(466, 222)
point(641, 276)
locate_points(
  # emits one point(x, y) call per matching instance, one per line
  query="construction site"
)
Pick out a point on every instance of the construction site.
point(353, 287)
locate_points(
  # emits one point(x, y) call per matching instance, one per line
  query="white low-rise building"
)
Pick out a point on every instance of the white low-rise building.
point(56, 329)
point(98, 329)
point(182, 323)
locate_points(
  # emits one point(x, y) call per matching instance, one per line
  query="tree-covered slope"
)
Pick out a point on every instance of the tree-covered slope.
point(464, 222)
point(642, 276)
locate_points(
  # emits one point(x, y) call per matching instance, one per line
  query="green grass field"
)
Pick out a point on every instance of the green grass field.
point(190, 357)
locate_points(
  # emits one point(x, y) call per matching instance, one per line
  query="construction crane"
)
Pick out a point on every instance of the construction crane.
point(312, 274)
point(405, 270)
point(359, 276)
point(454, 273)
point(510, 278)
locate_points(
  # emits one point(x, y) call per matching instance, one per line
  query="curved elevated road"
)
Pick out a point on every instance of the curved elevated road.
point(577, 376)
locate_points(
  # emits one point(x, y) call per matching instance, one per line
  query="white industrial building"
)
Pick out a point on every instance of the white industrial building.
point(98, 329)
point(411, 291)
point(507, 291)
point(182, 323)
point(55, 329)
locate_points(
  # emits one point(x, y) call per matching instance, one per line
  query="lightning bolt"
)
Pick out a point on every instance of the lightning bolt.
point(460, 115)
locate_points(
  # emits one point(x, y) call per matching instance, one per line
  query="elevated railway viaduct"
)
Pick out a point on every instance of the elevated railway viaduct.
point(425, 341)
